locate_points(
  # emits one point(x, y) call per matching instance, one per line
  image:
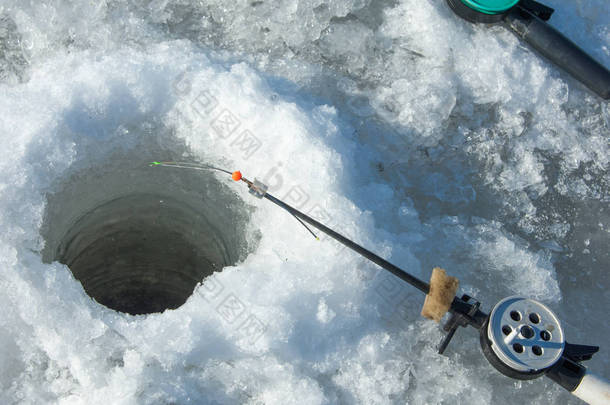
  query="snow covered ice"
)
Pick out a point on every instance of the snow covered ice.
point(428, 140)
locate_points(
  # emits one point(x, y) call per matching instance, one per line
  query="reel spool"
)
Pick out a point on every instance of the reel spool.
point(522, 338)
point(482, 11)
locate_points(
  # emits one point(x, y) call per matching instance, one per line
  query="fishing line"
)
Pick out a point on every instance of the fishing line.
point(234, 175)
point(188, 165)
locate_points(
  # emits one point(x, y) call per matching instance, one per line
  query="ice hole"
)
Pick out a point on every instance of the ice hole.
point(139, 239)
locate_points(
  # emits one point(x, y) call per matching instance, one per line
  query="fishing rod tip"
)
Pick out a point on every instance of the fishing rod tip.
point(236, 175)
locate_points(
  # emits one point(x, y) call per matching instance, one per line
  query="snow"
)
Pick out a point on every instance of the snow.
point(428, 140)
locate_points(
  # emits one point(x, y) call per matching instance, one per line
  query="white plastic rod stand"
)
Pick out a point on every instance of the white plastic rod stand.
point(593, 389)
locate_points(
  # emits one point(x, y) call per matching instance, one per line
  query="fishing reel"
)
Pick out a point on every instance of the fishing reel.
point(527, 19)
point(523, 339)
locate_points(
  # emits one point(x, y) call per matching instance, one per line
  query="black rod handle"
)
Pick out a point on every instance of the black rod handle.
point(560, 50)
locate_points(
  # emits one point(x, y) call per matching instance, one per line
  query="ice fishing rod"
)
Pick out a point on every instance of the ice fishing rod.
point(521, 337)
point(527, 19)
